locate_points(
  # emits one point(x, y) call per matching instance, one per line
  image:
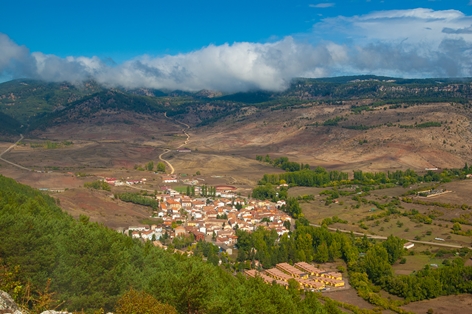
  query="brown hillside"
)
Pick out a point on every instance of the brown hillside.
point(385, 146)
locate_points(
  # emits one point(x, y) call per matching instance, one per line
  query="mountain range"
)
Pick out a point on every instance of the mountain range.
point(357, 119)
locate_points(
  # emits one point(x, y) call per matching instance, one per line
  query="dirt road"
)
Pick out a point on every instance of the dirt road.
point(172, 170)
point(8, 149)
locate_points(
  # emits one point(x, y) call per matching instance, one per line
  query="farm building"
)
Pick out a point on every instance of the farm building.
point(292, 271)
point(312, 270)
point(169, 179)
point(277, 274)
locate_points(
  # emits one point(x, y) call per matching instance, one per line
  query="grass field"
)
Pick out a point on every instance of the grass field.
point(415, 263)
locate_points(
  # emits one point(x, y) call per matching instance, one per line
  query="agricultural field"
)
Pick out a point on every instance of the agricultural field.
point(363, 215)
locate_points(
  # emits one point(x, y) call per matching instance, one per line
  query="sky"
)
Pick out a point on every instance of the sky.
point(232, 46)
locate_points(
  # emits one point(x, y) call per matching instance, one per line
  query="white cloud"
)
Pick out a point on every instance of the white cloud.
point(413, 25)
point(412, 43)
point(241, 66)
point(322, 5)
point(238, 67)
point(405, 43)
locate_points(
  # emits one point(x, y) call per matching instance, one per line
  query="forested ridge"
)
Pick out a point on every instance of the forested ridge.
point(90, 266)
point(37, 104)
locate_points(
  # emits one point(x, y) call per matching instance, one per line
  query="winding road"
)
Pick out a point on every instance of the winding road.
point(10, 148)
point(187, 127)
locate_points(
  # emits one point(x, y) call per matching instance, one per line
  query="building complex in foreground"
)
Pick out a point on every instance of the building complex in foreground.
point(307, 276)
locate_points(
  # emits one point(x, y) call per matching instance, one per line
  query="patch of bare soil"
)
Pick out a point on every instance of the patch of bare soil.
point(238, 170)
point(443, 305)
point(103, 154)
point(52, 180)
point(101, 208)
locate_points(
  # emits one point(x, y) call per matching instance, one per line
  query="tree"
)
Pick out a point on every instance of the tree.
point(150, 166)
point(304, 243)
point(140, 302)
point(293, 286)
point(322, 254)
point(302, 221)
point(334, 250)
point(394, 247)
point(376, 264)
point(161, 167)
point(293, 207)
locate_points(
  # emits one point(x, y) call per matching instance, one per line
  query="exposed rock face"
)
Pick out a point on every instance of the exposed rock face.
point(7, 305)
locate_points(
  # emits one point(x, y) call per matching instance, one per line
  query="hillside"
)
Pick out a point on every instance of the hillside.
point(377, 138)
point(9, 125)
point(83, 266)
point(365, 122)
point(23, 99)
point(90, 266)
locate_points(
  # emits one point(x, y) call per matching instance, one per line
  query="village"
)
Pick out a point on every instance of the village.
point(216, 218)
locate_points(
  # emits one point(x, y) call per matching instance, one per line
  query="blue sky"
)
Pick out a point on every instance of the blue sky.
point(232, 45)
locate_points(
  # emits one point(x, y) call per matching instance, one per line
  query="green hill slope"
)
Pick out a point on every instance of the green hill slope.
point(86, 107)
point(22, 99)
point(91, 266)
point(9, 125)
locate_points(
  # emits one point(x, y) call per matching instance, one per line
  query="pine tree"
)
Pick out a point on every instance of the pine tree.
point(322, 254)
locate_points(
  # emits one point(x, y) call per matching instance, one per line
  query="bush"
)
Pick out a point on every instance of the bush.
point(98, 185)
point(139, 302)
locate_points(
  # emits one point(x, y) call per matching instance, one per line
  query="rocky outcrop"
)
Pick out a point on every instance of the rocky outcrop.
point(7, 305)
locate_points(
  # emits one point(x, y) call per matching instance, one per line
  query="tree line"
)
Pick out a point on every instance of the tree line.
point(139, 199)
point(302, 175)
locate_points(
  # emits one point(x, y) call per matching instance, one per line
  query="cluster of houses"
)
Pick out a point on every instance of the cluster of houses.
point(218, 218)
point(147, 233)
point(307, 276)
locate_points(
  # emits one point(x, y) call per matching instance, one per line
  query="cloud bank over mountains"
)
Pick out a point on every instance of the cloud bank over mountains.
point(404, 43)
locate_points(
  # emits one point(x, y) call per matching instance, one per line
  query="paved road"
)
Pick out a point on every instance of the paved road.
point(10, 148)
point(370, 236)
point(172, 170)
